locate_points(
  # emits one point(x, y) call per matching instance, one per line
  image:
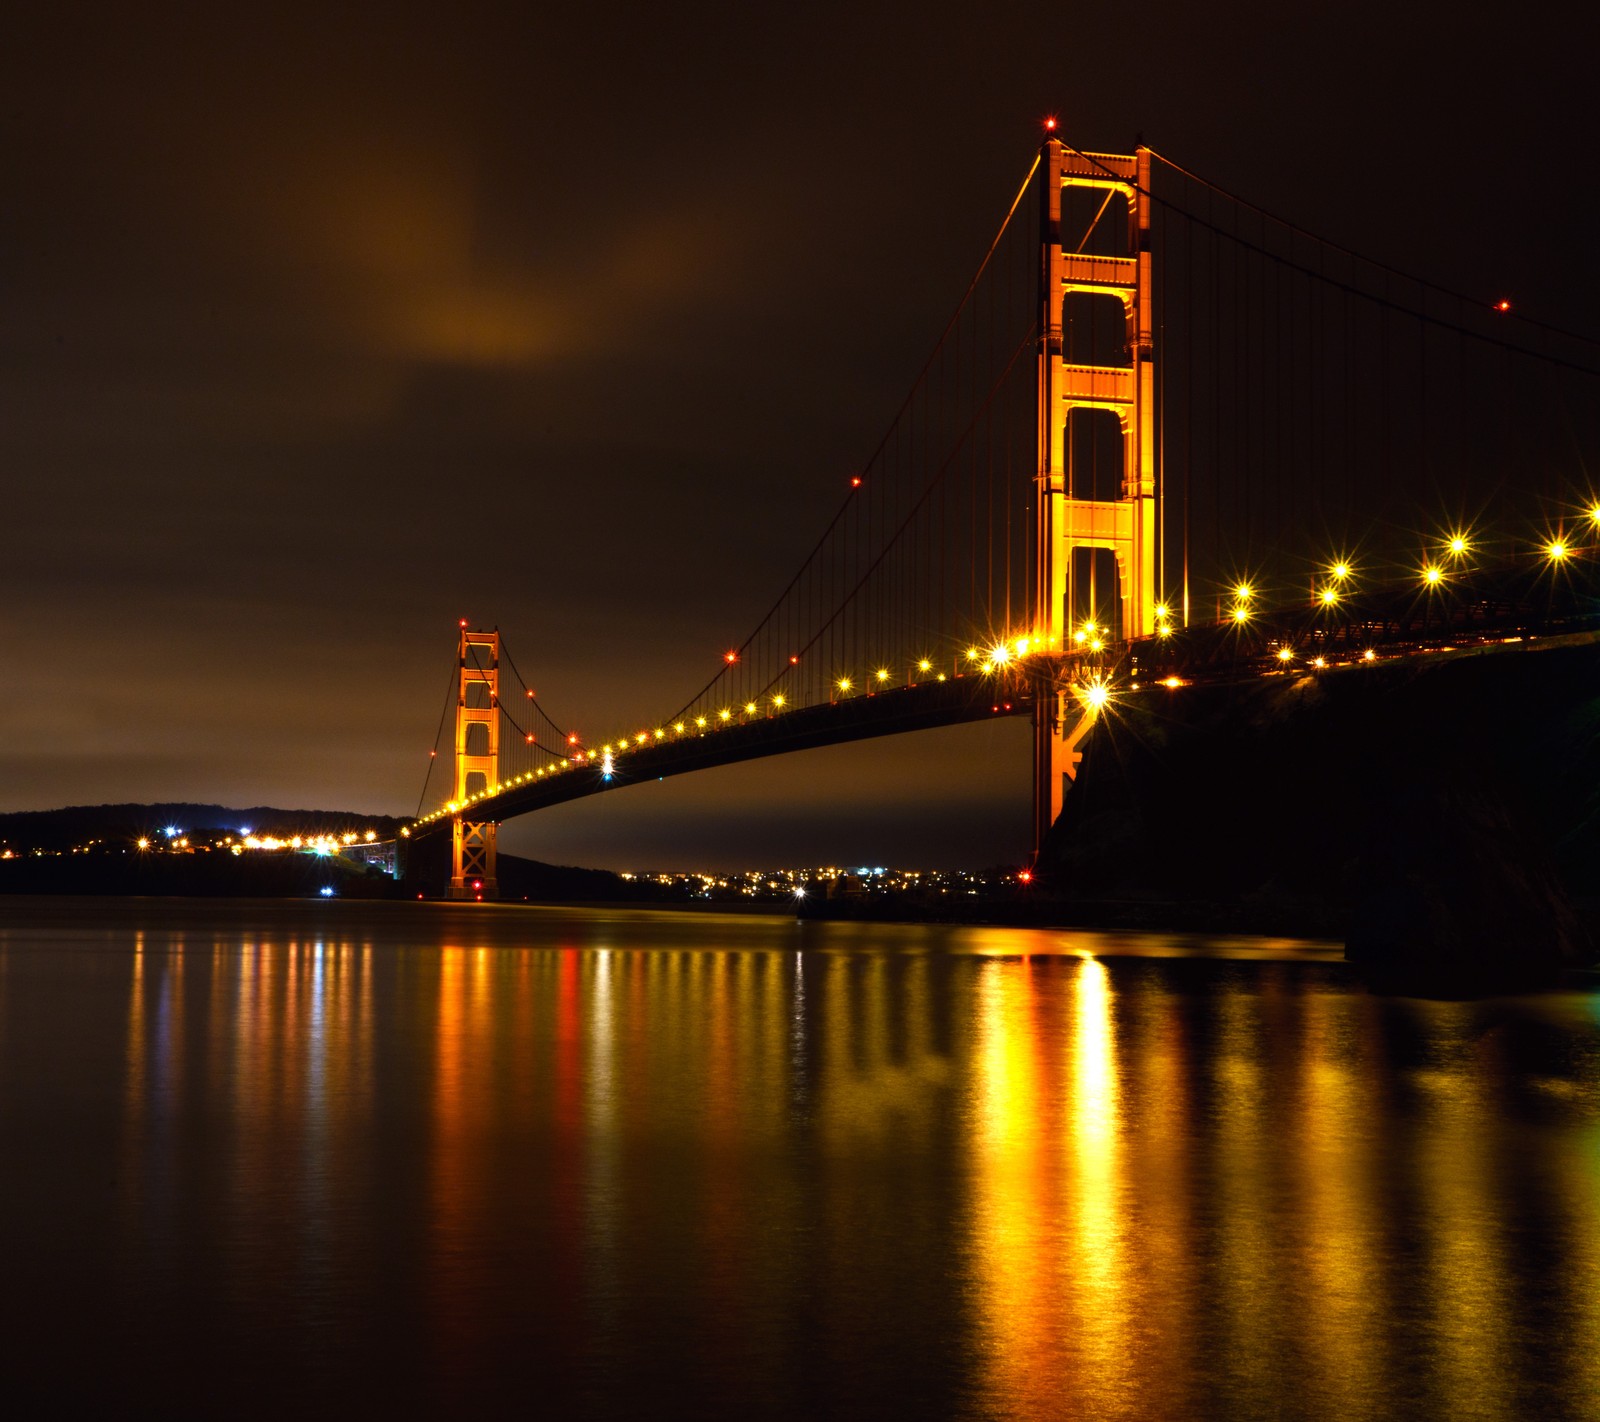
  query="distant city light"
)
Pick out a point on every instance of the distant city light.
point(327, 891)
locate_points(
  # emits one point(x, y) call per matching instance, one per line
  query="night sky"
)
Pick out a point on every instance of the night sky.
point(327, 325)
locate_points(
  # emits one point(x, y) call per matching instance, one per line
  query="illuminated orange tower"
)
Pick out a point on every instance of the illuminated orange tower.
point(1129, 525)
point(472, 854)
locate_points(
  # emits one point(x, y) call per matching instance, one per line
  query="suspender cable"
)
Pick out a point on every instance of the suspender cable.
point(449, 689)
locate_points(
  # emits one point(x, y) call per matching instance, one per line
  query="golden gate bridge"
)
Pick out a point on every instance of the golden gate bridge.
point(1166, 438)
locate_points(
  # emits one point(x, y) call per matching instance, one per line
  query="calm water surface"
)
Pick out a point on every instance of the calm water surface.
point(424, 1159)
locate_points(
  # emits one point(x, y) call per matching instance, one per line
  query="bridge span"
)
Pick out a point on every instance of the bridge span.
point(664, 753)
point(1481, 613)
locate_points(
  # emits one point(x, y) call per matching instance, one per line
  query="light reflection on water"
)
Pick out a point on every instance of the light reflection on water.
point(256, 1156)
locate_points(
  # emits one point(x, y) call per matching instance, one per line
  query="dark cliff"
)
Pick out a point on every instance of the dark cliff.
point(1441, 814)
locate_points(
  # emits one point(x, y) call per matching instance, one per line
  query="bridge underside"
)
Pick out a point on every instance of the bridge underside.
point(885, 713)
point(1497, 606)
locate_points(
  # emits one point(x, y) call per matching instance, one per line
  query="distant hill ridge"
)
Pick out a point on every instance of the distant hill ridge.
point(115, 866)
point(77, 824)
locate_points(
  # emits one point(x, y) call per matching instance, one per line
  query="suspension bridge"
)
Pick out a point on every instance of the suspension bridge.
point(1167, 438)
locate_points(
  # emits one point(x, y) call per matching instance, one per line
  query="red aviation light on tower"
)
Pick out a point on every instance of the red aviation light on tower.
point(1502, 305)
point(855, 481)
point(1050, 123)
point(730, 657)
point(461, 622)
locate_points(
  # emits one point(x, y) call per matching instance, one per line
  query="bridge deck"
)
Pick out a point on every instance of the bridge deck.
point(882, 713)
point(1391, 623)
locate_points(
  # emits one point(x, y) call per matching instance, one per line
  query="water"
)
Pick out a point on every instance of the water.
point(257, 1158)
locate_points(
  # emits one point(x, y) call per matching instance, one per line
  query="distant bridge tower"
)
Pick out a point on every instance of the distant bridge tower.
point(1130, 525)
point(472, 856)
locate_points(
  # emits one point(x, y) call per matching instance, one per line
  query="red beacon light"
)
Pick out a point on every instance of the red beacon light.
point(1050, 124)
point(1502, 305)
point(730, 657)
point(855, 481)
point(461, 622)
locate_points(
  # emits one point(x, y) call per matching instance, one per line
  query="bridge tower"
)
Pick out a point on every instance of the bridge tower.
point(472, 852)
point(1130, 525)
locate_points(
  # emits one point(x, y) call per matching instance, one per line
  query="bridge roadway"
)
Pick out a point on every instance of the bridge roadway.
point(1390, 623)
point(879, 713)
